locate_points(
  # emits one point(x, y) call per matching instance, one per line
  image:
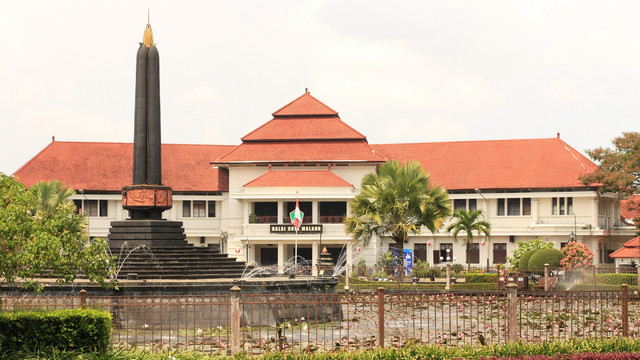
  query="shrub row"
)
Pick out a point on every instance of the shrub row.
point(77, 329)
point(617, 279)
point(480, 278)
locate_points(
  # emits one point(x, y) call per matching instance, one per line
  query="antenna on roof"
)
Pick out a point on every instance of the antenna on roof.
point(306, 90)
point(53, 138)
point(558, 134)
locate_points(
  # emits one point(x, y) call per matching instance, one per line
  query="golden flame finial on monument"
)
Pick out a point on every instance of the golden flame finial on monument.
point(147, 38)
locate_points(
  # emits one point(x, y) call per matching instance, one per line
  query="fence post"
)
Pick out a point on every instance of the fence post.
point(381, 317)
point(625, 310)
point(235, 319)
point(347, 276)
point(448, 284)
point(594, 277)
point(512, 312)
point(546, 277)
point(83, 298)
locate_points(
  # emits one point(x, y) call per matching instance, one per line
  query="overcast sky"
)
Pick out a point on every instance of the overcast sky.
point(401, 71)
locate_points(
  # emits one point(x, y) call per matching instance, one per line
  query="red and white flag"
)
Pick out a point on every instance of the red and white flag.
point(296, 216)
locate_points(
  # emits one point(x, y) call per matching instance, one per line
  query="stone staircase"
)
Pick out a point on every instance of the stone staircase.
point(186, 262)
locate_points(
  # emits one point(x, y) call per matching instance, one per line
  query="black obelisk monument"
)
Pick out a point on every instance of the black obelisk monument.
point(147, 198)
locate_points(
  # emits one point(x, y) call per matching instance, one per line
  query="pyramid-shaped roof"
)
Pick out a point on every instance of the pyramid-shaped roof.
point(305, 130)
point(305, 105)
point(305, 118)
point(629, 250)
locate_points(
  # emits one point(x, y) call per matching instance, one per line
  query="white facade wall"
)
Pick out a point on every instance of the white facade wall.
point(595, 220)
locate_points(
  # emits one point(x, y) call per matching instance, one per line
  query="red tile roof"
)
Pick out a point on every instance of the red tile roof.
point(305, 105)
point(499, 164)
point(629, 250)
point(630, 208)
point(307, 151)
point(108, 166)
point(298, 178)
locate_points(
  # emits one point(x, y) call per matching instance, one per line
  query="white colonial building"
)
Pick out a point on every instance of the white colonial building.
point(239, 197)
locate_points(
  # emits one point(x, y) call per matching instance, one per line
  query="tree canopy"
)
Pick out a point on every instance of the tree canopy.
point(619, 167)
point(37, 243)
point(468, 222)
point(397, 200)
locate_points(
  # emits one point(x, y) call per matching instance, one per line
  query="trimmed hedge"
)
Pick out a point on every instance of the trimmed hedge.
point(475, 286)
point(77, 329)
point(545, 256)
point(617, 279)
point(524, 259)
point(481, 278)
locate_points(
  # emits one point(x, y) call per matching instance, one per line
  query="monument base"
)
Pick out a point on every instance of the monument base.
point(147, 232)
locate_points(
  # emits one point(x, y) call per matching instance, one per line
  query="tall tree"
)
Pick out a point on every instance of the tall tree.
point(468, 222)
point(395, 201)
point(619, 167)
point(36, 244)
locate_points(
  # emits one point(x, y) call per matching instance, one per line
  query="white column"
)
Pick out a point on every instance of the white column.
point(280, 211)
point(535, 203)
point(246, 209)
point(314, 258)
point(314, 209)
point(281, 256)
point(594, 212)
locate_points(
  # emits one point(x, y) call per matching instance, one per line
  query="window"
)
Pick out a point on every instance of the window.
point(562, 206)
point(499, 253)
point(93, 208)
point(473, 205)
point(465, 204)
point(332, 211)
point(526, 206)
point(474, 254)
point(514, 206)
point(211, 205)
point(264, 212)
point(186, 208)
point(198, 208)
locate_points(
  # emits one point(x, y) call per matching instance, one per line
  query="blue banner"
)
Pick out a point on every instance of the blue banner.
point(408, 260)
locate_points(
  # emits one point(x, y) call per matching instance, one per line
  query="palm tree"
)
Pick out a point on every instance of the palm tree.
point(468, 222)
point(50, 195)
point(397, 200)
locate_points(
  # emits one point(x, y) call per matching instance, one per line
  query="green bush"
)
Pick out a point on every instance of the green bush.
point(457, 268)
point(362, 268)
point(420, 269)
point(524, 259)
point(480, 278)
point(617, 279)
point(77, 329)
point(545, 256)
point(475, 286)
